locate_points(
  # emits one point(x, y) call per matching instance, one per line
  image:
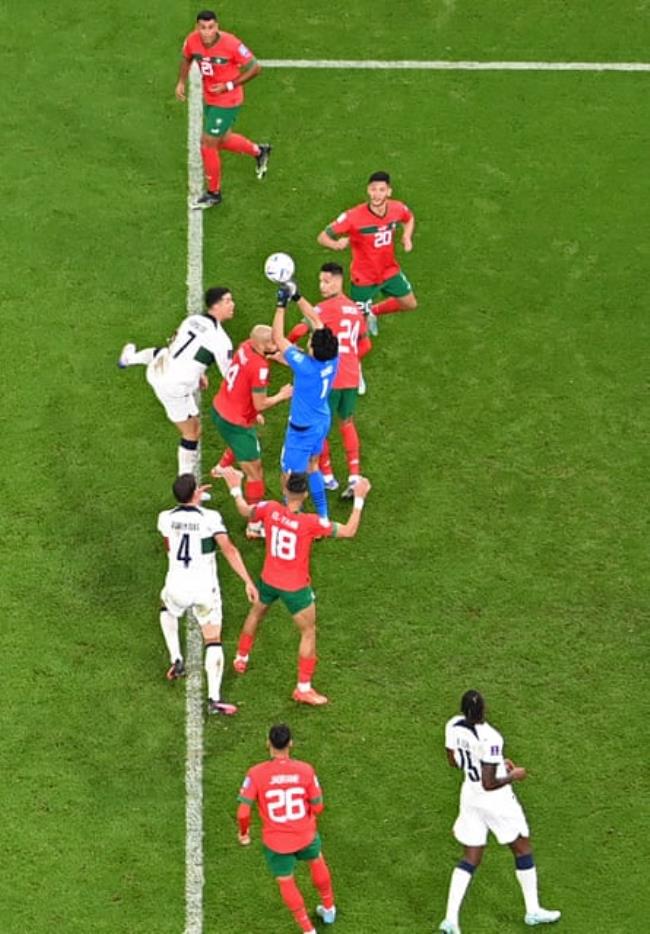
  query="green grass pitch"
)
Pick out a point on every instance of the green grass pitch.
point(505, 432)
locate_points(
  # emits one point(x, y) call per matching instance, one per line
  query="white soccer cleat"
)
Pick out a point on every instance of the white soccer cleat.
point(362, 389)
point(373, 323)
point(126, 356)
point(449, 928)
point(542, 916)
point(327, 915)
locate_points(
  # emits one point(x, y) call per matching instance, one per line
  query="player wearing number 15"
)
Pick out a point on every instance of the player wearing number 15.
point(487, 803)
point(289, 798)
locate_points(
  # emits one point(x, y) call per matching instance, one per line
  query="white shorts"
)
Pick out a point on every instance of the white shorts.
point(205, 603)
point(506, 821)
point(178, 406)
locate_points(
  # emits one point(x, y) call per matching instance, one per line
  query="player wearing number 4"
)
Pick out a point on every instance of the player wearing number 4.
point(369, 230)
point(225, 64)
point(288, 798)
point(191, 536)
point(289, 535)
point(487, 803)
point(176, 373)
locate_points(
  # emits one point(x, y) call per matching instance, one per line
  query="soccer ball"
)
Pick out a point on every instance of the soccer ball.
point(279, 268)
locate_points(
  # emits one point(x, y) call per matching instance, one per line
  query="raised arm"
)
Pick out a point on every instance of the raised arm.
point(233, 480)
point(307, 311)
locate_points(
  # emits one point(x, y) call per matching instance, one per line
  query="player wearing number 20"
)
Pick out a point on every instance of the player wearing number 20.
point(487, 803)
point(289, 798)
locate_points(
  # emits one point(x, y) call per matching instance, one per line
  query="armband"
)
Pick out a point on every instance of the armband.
point(359, 502)
point(230, 85)
point(235, 492)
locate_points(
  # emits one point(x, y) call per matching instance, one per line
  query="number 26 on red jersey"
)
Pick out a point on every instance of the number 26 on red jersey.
point(285, 804)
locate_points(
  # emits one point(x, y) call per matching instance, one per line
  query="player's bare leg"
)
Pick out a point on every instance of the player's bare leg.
point(247, 636)
point(211, 157)
point(292, 898)
point(460, 880)
point(304, 693)
point(213, 664)
point(527, 878)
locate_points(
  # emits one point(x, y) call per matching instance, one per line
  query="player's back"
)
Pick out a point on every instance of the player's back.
point(199, 341)
point(288, 540)
point(345, 319)
point(474, 744)
point(286, 790)
point(312, 385)
point(190, 532)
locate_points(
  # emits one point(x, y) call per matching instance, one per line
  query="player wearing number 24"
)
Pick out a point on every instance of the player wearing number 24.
point(289, 535)
point(288, 797)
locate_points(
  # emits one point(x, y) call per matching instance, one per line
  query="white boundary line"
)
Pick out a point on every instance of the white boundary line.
point(194, 873)
point(376, 65)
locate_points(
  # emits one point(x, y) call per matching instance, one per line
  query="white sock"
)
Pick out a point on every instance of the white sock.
point(169, 626)
point(214, 669)
point(353, 478)
point(460, 880)
point(143, 357)
point(304, 686)
point(328, 477)
point(527, 879)
point(187, 460)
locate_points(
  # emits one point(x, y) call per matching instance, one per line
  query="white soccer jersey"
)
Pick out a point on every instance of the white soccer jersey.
point(190, 532)
point(472, 745)
point(199, 341)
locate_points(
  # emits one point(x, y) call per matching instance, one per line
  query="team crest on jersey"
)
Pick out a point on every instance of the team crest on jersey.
point(243, 51)
point(264, 372)
point(494, 750)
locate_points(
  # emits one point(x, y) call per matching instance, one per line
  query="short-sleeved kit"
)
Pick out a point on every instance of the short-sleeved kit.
point(288, 541)
point(219, 63)
point(372, 242)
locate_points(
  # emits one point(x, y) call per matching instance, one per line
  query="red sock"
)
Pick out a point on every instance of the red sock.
point(306, 668)
point(325, 459)
point(227, 458)
point(295, 902)
point(212, 167)
point(385, 308)
point(254, 491)
point(350, 438)
point(245, 644)
point(235, 142)
point(320, 876)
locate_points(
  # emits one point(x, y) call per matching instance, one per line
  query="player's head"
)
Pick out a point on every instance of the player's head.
point(324, 344)
point(207, 26)
point(379, 188)
point(262, 340)
point(280, 737)
point(219, 303)
point(297, 486)
point(330, 280)
point(184, 487)
point(472, 706)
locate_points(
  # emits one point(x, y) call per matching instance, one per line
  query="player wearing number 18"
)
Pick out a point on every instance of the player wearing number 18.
point(289, 798)
point(289, 535)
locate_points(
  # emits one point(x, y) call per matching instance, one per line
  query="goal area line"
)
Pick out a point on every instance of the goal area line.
point(415, 65)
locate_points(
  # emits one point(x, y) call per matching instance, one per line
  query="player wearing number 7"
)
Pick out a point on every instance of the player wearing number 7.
point(289, 798)
point(487, 803)
point(289, 535)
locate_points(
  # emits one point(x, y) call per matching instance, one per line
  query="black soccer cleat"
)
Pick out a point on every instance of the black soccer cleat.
point(176, 671)
point(262, 161)
point(207, 200)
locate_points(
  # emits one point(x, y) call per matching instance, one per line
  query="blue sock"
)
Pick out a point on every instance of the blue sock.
point(317, 490)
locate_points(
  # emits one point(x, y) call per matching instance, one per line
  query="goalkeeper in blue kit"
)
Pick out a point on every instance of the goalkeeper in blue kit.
point(309, 416)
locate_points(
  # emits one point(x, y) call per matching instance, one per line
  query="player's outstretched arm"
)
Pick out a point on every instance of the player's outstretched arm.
point(349, 530)
point(277, 328)
point(232, 555)
point(307, 311)
point(233, 480)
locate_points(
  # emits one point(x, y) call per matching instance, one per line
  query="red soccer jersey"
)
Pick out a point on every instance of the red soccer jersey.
point(219, 63)
point(345, 318)
point(371, 240)
point(248, 373)
point(289, 537)
point(285, 790)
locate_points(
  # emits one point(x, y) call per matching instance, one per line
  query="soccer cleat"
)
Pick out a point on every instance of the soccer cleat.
point(373, 323)
point(240, 664)
point(348, 492)
point(255, 530)
point(542, 916)
point(331, 483)
point(449, 928)
point(221, 707)
point(311, 697)
point(207, 200)
point(126, 355)
point(176, 671)
point(327, 915)
point(262, 161)
point(362, 389)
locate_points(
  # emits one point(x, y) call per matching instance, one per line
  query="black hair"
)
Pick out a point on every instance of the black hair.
point(206, 16)
point(215, 294)
point(280, 736)
point(297, 483)
point(325, 344)
point(379, 177)
point(334, 268)
point(472, 706)
point(184, 487)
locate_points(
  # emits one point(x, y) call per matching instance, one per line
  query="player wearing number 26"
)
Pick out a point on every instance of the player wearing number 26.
point(289, 535)
point(288, 797)
point(487, 803)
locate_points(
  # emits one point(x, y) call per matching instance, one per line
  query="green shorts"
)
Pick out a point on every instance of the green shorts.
point(294, 600)
point(243, 441)
point(397, 286)
point(343, 402)
point(283, 864)
point(218, 120)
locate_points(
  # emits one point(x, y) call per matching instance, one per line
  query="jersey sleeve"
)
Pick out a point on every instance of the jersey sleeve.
point(241, 54)
point(260, 380)
point(222, 350)
point(406, 213)
point(187, 48)
point(492, 748)
point(450, 737)
point(295, 358)
point(163, 524)
point(248, 791)
point(314, 791)
point(319, 527)
point(216, 525)
point(342, 225)
point(260, 510)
